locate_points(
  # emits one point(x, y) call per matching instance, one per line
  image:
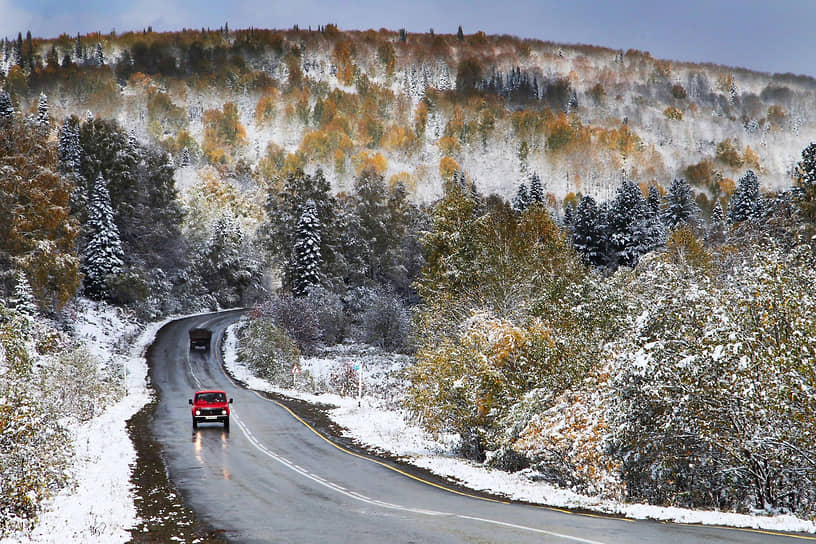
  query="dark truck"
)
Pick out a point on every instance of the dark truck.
point(200, 339)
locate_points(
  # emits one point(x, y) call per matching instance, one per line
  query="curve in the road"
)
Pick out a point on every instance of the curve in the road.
point(451, 520)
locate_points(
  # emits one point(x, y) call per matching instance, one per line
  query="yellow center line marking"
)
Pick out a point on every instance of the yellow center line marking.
point(469, 495)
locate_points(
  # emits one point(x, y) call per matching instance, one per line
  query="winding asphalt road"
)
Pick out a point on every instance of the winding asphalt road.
point(272, 478)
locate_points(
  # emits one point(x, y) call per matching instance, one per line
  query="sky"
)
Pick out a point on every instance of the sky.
point(764, 35)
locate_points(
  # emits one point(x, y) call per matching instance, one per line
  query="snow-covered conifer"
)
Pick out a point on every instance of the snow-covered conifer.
point(536, 189)
point(23, 298)
point(588, 231)
point(69, 150)
point(6, 107)
point(99, 56)
point(653, 199)
point(522, 199)
point(103, 255)
point(307, 258)
point(806, 183)
point(746, 202)
point(43, 117)
point(680, 205)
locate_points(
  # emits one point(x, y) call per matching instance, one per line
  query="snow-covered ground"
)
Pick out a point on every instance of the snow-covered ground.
point(380, 426)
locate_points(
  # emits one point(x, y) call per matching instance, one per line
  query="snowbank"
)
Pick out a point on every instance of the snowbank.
point(387, 430)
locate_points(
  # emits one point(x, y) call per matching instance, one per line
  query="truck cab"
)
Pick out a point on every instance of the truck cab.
point(210, 406)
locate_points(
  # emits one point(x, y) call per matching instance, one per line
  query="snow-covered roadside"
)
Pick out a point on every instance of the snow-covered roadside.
point(387, 430)
point(99, 507)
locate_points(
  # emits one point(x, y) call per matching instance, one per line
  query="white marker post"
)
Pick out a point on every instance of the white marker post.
point(359, 384)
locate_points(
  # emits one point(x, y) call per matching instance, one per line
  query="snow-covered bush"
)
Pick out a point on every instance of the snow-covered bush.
point(267, 349)
point(381, 319)
point(296, 317)
point(713, 400)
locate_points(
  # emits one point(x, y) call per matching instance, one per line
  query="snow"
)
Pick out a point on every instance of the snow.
point(387, 430)
point(99, 507)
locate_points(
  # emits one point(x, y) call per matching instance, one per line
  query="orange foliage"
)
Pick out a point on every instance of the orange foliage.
point(399, 138)
point(449, 145)
point(373, 162)
point(447, 166)
point(343, 57)
point(223, 134)
point(265, 110)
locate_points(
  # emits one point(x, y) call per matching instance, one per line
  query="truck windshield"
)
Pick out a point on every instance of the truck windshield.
point(210, 397)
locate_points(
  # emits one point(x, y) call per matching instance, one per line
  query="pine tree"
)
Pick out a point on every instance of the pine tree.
point(680, 205)
point(69, 150)
point(18, 50)
point(805, 183)
point(103, 255)
point(99, 56)
point(6, 107)
point(587, 228)
point(306, 260)
point(632, 229)
point(746, 202)
point(23, 298)
point(185, 158)
point(460, 35)
point(78, 52)
point(43, 119)
point(654, 199)
point(536, 190)
point(522, 199)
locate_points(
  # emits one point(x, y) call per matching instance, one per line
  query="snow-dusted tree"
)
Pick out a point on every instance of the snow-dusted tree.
point(522, 199)
point(654, 198)
point(680, 206)
point(69, 150)
point(103, 255)
point(536, 190)
point(6, 107)
point(746, 203)
point(717, 216)
point(632, 229)
point(99, 56)
point(23, 298)
point(185, 158)
point(227, 265)
point(43, 118)
point(306, 259)
point(588, 232)
point(805, 183)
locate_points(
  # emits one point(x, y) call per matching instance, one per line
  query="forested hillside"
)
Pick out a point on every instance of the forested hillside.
point(599, 262)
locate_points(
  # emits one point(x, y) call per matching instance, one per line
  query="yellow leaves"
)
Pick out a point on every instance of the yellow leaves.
point(449, 145)
point(397, 138)
point(366, 161)
point(447, 166)
point(751, 159)
point(223, 134)
point(343, 54)
point(673, 113)
point(265, 109)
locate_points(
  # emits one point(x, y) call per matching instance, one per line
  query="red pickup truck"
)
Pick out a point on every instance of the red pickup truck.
point(210, 406)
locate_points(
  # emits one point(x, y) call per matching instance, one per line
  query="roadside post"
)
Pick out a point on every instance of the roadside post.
point(359, 384)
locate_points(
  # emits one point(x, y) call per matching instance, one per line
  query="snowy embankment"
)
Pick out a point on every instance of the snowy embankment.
point(99, 506)
point(379, 425)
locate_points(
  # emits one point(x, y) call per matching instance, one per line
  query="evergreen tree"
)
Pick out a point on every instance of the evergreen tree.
point(654, 199)
point(680, 205)
point(588, 231)
point(6, 107)
point(632, 229)
point(18, 50)
point(805, 183)
point(99, 56)
point(536, 190)
point(23, 298)
point(522, 199)
point(306, 258)
point(185, 158)
point(717, 215)
point(746, 202)
point(103, 255)
point(78, 50)
point(69, 150)
point(227, 265)
point(460, 34)
point(43, 119)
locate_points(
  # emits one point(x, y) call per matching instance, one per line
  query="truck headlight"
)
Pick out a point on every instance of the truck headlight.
point(223, 412)
point(198, 412)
